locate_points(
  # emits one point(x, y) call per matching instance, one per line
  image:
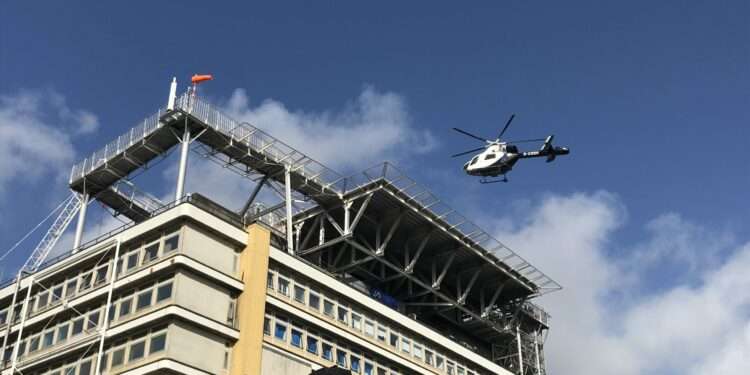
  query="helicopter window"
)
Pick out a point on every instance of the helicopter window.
point(474, 160)
point(489, 156)
point(512, 149)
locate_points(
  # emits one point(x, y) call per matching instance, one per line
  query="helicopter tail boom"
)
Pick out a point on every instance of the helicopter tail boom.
point(547, 150)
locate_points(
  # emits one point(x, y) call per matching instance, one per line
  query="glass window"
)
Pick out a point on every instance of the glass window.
point(171, 243)
point(267, 326)
point(3, 316)
point(382, 371)
point(84, 368)
point(450, 368)
point(269, 281)
point(62, 332)
point(312, 344)
point(164, 292)
point(299, 293)
point(150, 253)
point(34, 344)
point(70, 287)
point(70, 370)
point(405, 345)
point(157, 343)
point(118, 267)
point(356, 321)
point(101, 274)
point(296, 338)
point(327, 352)
point(369, 328)
point(143, 300)
point(283, 286)
point(132, 260)
point(460, 371)
point(41, 302)
point(93, 320)
point(125, 306)
point(314, 301)
point(393, 339)
point(381, 333)
point(85, 281)
point(328, 308)
point(77, 326)
point(280, 332)
point(103, 363)
point(429, 358)
point(112, 313)
point(355, 364)
point(439, 361)
point(48, 339)
point(343, 314)
point(118, 357)
point(341, 358)
point(57, 293)
point(418, 351)
point(368, 368)
point(137, 350)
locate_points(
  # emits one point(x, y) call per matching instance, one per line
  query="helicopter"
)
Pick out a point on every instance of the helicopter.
point(499, 157)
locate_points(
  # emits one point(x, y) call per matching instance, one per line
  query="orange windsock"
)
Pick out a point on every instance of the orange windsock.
point(198, 78)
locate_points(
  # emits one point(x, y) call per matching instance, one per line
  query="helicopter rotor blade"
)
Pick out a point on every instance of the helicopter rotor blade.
point(468, 152)
point(512, 116)
point(527, 140)
point(471, 135)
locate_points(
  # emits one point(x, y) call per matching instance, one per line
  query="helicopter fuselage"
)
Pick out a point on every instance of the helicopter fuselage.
point(496, 160)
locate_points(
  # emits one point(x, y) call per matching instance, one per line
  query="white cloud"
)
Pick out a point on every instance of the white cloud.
point(373, 127)
point(34, 136)
point(602, 324)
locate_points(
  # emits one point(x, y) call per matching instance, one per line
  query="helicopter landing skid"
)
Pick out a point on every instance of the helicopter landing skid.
point(493, 181)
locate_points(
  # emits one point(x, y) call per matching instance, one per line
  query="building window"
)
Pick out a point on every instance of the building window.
point(314, 301)
point(269, 281)
point(296, 338)
point(57, 293)
point(62, 332)
point(405, 345)
point(267, 326)
point(77, 326)
point(341, 358)
point(417, 351)
point(381, 333)
point(328, 308)
point(164, 292)
point(137, 350)
point(118, 357)
point(143, 300)
point(299, 293)
point(280, 331)
point(369, 328)
point(41, 303)
point(150, 253)
point(84, 368)
point(343, 314)
point(132, 260)
point(429, 358)
point(70, 288)
point(357, 322)
point(171, 243)
point(125, 306)
point(101, 274)
point(85, 281)
point(158, 343)
point(312, 344)
point(355, 364)
point(327, 352)
point(48, 339)
point(393, 340)
point(368, 368)
point(93, 320)
point(34, 344)
point(283, 286)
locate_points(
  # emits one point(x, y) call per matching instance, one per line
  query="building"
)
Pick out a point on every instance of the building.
point(373, 273)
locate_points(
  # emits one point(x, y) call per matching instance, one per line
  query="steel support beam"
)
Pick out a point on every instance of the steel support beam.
point(81, 222)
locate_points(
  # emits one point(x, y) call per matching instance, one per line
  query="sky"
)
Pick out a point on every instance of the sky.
point(644, 223)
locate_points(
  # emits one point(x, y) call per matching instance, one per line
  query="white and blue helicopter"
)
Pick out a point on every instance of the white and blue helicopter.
point(498, 157)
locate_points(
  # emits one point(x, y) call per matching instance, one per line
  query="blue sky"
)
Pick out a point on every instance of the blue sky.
point(652, 98)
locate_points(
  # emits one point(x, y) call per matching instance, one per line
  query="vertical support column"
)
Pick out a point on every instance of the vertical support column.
point(184, 148)
point(81, 221)
point(347, 217)
point(536, 352)
point(105, 325)
point(288, 201)
point(172, 96)
point(24, 313)
point(520, 352)
point(11, 316)
point(247, 352)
